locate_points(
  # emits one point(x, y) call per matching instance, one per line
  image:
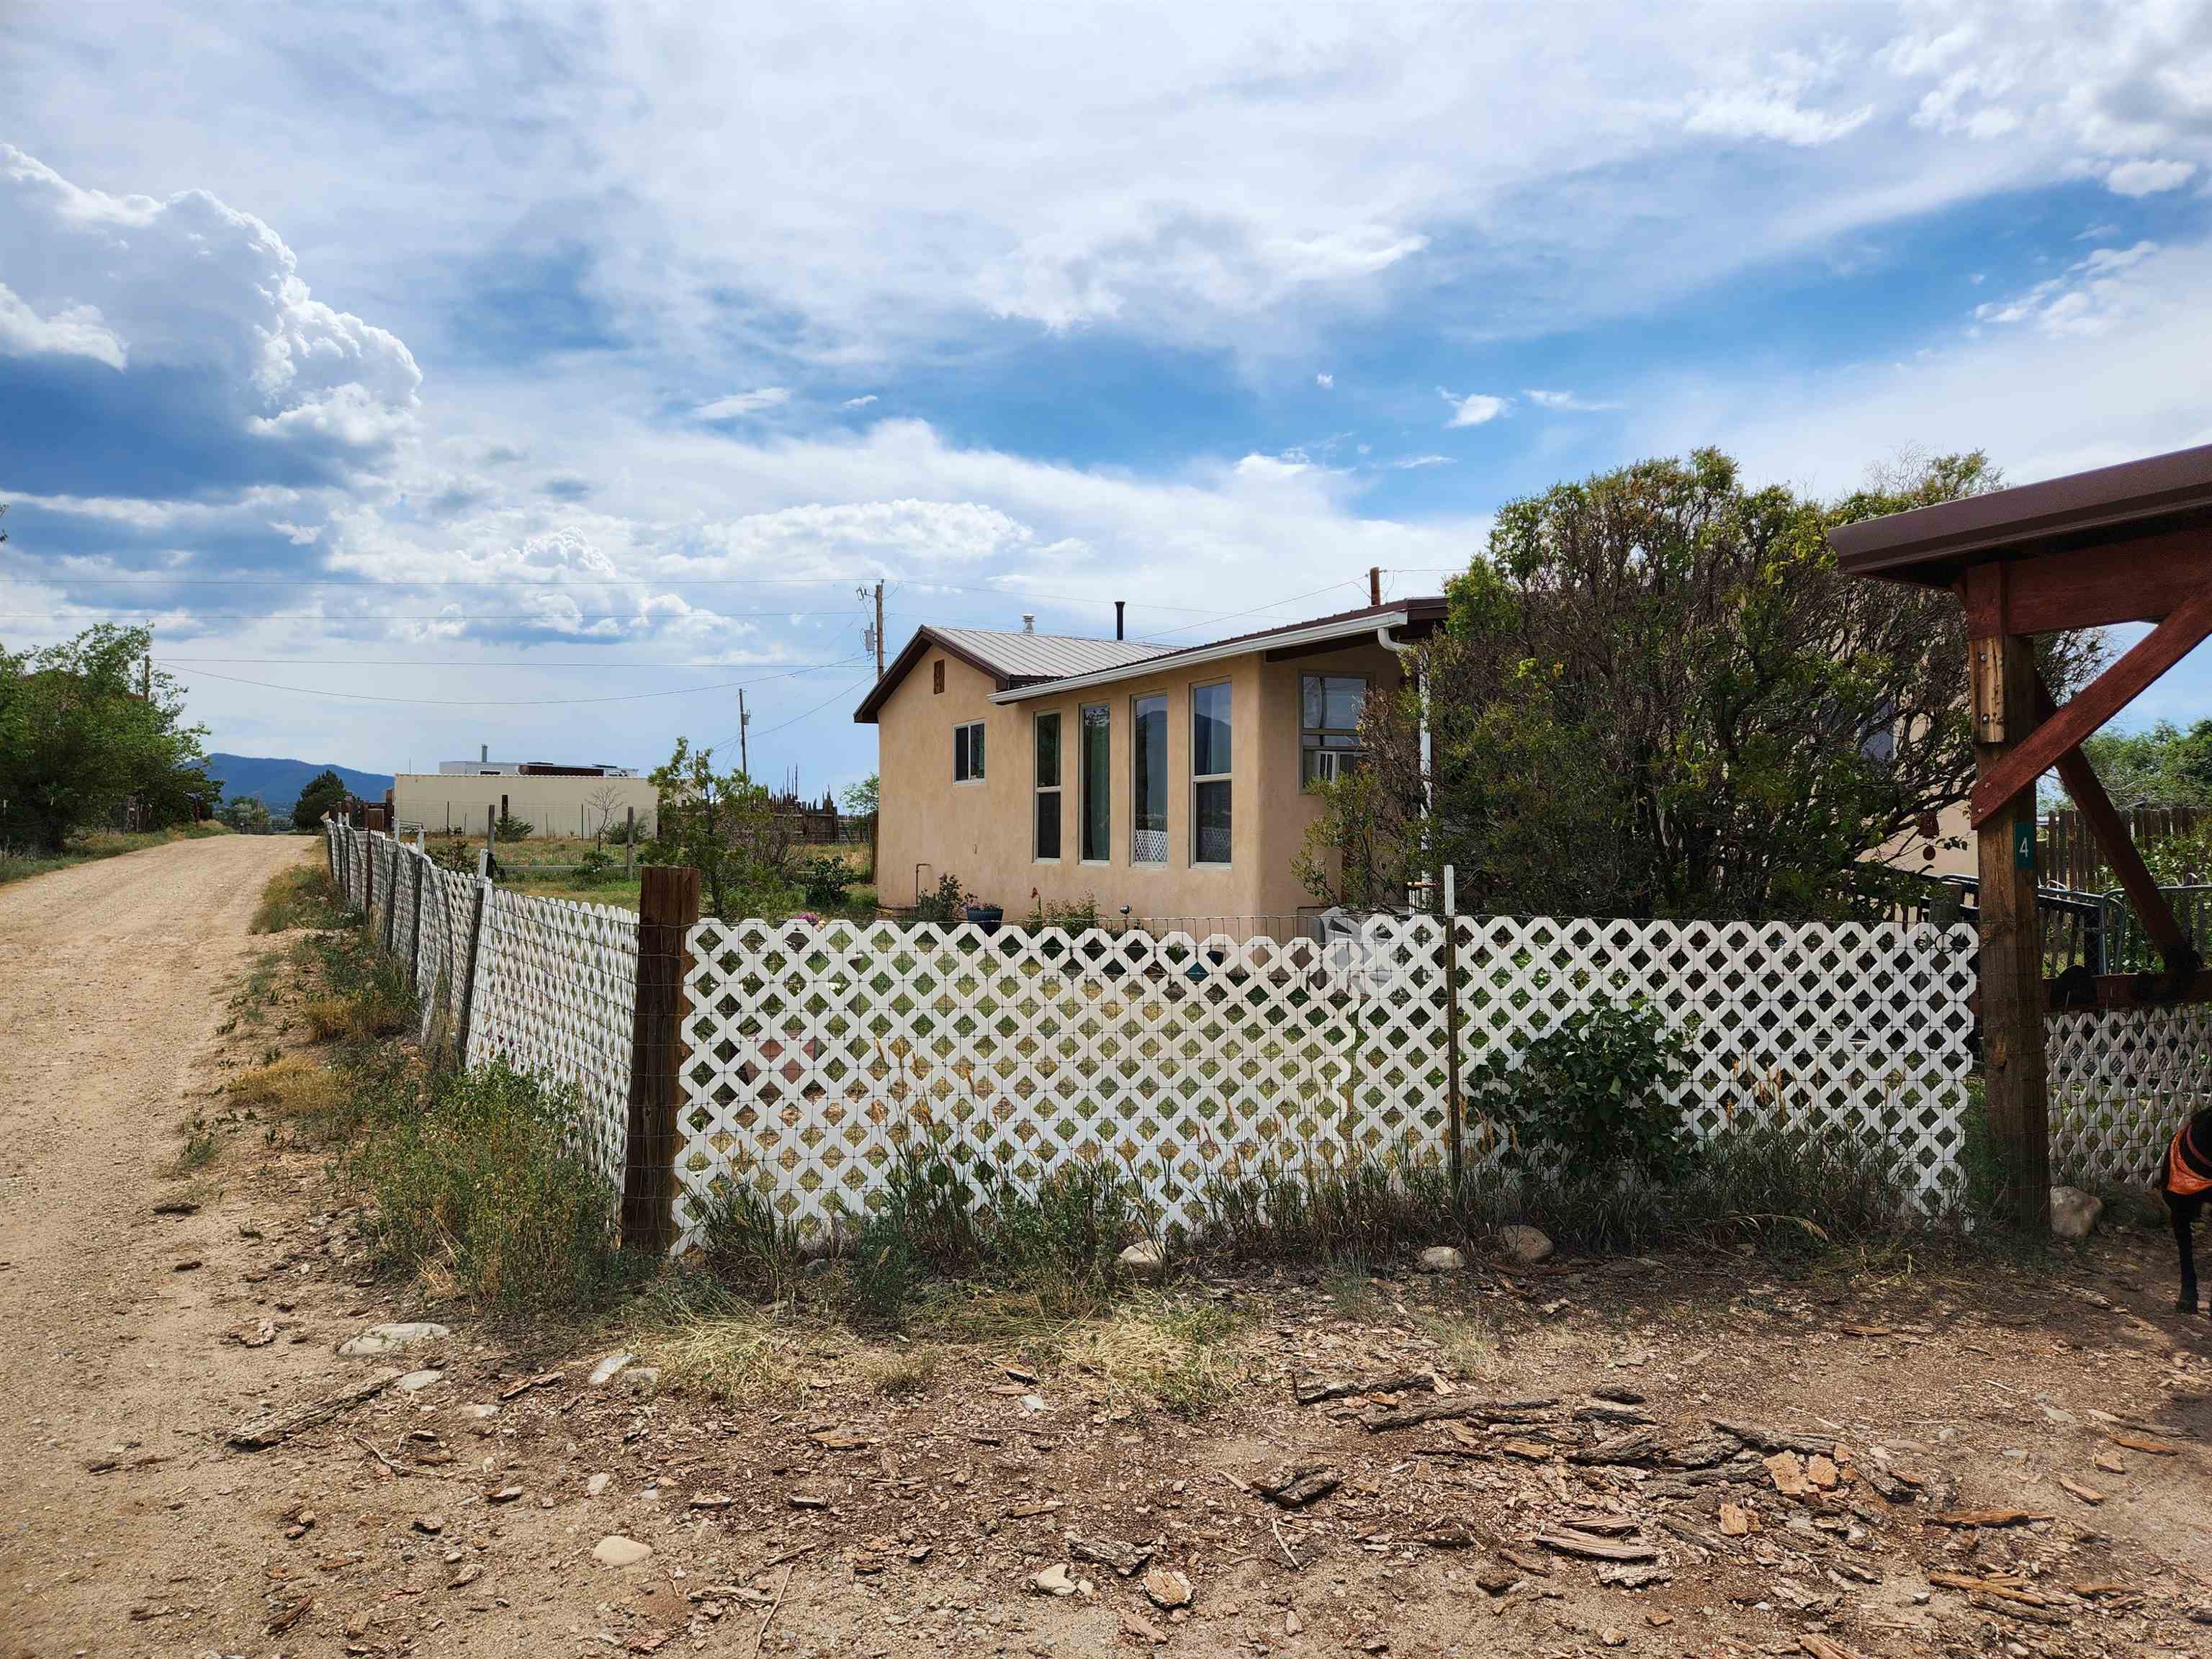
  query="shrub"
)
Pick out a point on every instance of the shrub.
point(1596, 1094)
point(947, 907)
point(302, 896)
point(826, 879)
point(1069, 915)
point(509, 827)
point(478, 1179)
point(594, 867)
point(746, 1243)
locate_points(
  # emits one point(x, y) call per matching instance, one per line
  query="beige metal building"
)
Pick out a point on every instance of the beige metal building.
point(554, 798)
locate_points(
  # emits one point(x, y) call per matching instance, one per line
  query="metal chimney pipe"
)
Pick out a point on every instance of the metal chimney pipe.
point(1029, 623)
point(484, 753)
point(1118, 605)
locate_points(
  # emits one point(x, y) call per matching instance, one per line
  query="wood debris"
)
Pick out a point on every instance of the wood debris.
point(1569, 1542)
point(1295, 1486)
point(1988, 1518)
point(272, 1429)
point(1457, 1405)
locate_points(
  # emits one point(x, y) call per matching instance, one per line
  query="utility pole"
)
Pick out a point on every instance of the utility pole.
point(146, 677)
point(879, 631)
point(1374, 584)
point(744, 765)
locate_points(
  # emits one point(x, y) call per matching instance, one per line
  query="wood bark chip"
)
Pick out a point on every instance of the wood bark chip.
point(2143, 1444)
point(1168, 1589)
point(1965, 1518)
point(1489, 1411)
point(1315, 1392)
point(258, 1433)
point(1789, 1474)
point(1595, 1549)
point(2088, 1495)
point(1736, 1521)
point(1775, 1440)
point(1825, 1647)
point(1125, 1558)
point(1295, 1486)
point(1641, 1446)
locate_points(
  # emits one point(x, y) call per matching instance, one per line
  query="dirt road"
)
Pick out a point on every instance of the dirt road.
point(116, 974)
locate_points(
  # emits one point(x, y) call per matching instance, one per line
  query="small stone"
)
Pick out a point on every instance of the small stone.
point(2073, 1213)
point(482, 1411)
point(1442, 1259)
point(617, 1551)
point(1054, 1580)
point(641, 1379)
point(416, 1381)
point(1527, 1245)
point(1168, 1589)
point(607, 1369)
point(430, 1524)
point(1143, 1262)
point(596, 1485)
point(1610, 1638)
point(379, 1340)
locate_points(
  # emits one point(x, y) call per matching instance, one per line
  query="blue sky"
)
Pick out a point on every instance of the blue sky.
point(472, 373)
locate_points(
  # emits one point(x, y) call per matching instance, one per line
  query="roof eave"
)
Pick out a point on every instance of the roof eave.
point(926, 639)
point(1198, 656)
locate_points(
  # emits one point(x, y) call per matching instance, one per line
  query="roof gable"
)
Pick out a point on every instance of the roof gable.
point(1009, 658)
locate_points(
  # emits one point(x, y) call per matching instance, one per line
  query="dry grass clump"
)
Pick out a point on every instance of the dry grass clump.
point(738, 1358)
point(1171, 1350)
point(295, 1086)
point(303, 895)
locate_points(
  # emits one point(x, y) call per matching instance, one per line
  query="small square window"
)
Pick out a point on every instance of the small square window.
point(967, 752)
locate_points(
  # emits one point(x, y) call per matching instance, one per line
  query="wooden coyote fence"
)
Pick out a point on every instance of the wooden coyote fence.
point(800, 1058)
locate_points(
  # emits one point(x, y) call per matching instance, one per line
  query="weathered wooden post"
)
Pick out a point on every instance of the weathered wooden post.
point(630, 842)
point(415, 928)
point(469, 983)
point(1451, 1031)
point(668, 905)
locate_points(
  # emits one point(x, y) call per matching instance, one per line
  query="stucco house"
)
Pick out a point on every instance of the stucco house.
point(1047, 768)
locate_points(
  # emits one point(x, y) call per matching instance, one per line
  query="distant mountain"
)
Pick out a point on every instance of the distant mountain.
point(277, 783)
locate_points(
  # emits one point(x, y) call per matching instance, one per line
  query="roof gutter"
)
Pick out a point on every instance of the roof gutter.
point(1381, 627)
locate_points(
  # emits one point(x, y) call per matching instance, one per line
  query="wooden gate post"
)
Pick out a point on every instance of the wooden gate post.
point(2001, 675)
point(392, 898)
point(415, 930)
point(667, 906)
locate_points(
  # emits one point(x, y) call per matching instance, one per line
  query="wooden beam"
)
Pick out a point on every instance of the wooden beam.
point(2111, 833)
point(2092, 587)
point(2011, 965)
point(668, 904)
point(2038, 748)
point(2118, 991)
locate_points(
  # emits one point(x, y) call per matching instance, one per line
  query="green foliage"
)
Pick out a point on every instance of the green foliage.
point(326, 793)
point(1317, 1206)
point(826, 879)
point(476, 1179)
point(2163, 766)
point(454, 852)
point(246, 814)
point(1596, 1094)
point(746, 1242)
point(593, 868)
point(1065, 916)
point(77, 739)
point(1658, 696)
point(510, 828)
point(947, 906)
point(2181, 860)
point(301, 896)
point(861, 798)
point(719, 823)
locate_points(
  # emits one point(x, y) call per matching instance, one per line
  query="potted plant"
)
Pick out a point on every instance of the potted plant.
point(986, 916)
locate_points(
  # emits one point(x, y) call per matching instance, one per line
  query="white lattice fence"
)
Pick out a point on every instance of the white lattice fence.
point(815, 1050)
point(1806, 1026)
point(555, 996)
point(2122, 1080)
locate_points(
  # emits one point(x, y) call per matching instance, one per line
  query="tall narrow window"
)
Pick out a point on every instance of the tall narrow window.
point(1098, 783)
point(1209, 774)
point(1148, 790)
point(967, 752)
point(1048, 786)
point(1328, 721)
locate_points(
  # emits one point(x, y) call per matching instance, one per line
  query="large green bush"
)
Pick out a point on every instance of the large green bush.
point(1595, 1095)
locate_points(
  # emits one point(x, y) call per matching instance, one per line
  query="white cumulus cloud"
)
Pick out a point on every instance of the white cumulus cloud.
point(739, 403)
point(1474, 410)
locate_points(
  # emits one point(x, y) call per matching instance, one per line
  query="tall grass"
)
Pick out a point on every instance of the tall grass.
point(303, 896)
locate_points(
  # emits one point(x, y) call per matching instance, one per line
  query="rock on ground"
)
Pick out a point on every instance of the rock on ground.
point(1525, 1244)
point(617, 1551)
point(1143, 1262)
point(2073, 1213)
point(390, 1339)
point(606, 1370)
point(1442, 1259)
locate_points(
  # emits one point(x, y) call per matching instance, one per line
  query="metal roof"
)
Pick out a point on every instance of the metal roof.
point(1934, 544)
point(1042, 656)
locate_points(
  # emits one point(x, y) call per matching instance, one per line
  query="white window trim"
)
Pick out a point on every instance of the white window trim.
point(1367, 680)
point(1228, 777)
point(1057, 791)
point(973, 776)
point(1167, 831)
point(1082, 762)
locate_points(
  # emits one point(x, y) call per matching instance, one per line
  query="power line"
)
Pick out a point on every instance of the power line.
point(526, 703)
point(834, 697)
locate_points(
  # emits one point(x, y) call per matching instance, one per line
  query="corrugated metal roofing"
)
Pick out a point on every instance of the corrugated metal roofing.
point(1044, 656)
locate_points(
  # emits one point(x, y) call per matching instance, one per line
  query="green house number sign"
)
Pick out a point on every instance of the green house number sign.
point(2023, 844)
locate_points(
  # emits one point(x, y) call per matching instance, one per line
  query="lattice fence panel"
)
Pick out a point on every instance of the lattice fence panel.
point(2122, 1080)
point(1806, 1026)
point(555, 996)
point(406, 868)
point(816, 1051)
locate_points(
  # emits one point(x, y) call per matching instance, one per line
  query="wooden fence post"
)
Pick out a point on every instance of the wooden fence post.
point(667, 906)
point(392, 898)
point(1451, 1034)
point(368, 883)
point(629, 841)
point(469, 986)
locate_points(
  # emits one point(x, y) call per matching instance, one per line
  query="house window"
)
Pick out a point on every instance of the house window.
point(1148, 789)
point(1209, 774)
point(1098, 783)
point(967, 752)
point(1328, 725)
point(937, 677)
point(1047, 787)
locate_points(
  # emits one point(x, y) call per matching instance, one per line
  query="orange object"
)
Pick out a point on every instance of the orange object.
point(2180, 1180)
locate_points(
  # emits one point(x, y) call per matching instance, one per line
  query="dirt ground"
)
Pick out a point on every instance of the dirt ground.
point(886, 1501)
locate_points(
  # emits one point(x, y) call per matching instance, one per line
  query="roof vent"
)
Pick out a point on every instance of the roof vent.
point(1029, 623)
point(1118, 604)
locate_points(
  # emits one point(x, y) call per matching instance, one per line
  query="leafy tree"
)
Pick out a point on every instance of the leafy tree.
point(325, 793)
point(1656, 696)
point(861, 797)
point(83, 728)
point(2164, 766)
point(715, 822)
point(246, 815)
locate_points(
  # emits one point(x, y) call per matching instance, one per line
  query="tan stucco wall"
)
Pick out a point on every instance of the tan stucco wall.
point(552, 806)
point(982, 832)
point(1950, 854)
